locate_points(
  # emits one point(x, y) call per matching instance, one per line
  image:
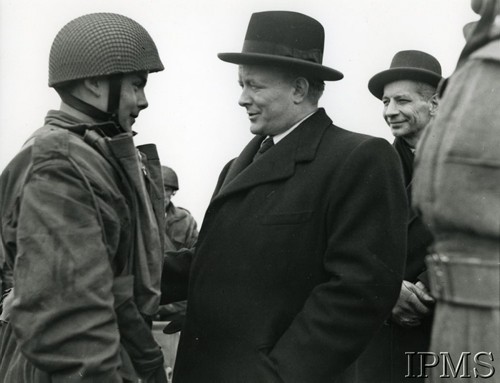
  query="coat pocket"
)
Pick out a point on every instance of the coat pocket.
point(470, 114)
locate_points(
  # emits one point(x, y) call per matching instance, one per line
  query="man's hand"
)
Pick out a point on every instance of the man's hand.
point(414, 303)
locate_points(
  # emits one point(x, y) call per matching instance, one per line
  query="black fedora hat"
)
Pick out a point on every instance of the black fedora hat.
point(407, 65)
point(287, 39)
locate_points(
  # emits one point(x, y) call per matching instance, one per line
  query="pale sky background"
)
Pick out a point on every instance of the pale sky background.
point(193, 115)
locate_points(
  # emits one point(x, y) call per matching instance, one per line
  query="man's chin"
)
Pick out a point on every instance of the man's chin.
point(126, 127)
point(256, 129)
point(398, 132)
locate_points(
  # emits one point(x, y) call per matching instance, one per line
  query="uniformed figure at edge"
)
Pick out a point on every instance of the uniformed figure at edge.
point(82, 216)
point(457, 191)
point(409, 101)
point(300, 256)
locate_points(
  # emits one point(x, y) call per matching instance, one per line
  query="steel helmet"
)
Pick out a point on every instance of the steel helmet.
point(169, 177)
point(101, 44)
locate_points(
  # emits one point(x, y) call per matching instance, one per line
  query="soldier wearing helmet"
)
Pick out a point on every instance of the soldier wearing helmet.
point(180, 226)
point(81, 218)
point(99, 65)
point(180, 233)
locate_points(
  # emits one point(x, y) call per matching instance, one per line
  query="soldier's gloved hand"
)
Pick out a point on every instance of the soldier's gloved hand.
point(414, 303)
point(137, 339)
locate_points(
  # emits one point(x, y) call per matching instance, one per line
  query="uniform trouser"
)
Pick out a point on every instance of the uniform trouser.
point(466, 330)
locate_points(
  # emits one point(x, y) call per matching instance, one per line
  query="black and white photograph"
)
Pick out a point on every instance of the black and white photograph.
point(271, 191)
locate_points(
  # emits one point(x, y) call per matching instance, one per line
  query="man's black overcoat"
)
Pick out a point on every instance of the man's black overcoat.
point(299, 261)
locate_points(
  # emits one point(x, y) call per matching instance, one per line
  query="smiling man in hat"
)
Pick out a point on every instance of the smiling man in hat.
point(408, 93)
point(300, 256)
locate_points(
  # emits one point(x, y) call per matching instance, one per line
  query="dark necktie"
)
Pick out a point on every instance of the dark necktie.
point(266, 145)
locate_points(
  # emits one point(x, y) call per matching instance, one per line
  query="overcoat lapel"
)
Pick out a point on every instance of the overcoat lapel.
point(413, 214)
point(279, 162)
point(407, 163)
point(244, 159)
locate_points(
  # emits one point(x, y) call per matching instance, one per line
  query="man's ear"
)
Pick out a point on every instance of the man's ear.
point(94, 85)
point(301, 89)
point(433, 105)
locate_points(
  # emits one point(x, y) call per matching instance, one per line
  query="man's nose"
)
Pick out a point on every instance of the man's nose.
point(390, 109)
point(142, 101)
point(244, 99)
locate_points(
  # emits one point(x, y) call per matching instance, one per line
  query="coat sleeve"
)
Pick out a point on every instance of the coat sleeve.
point(63, 313)
point(177, 264)
point(364, 259)
point(175, 275)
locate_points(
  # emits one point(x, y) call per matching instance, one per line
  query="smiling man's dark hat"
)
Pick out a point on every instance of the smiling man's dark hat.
point(285, 39)
point(407, 65)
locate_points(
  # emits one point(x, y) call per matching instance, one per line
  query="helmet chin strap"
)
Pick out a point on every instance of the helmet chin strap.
point(115, 88)
point(111, 115)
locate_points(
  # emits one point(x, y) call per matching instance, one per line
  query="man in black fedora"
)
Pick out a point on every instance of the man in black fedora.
point(300, 256)
point(408, 93)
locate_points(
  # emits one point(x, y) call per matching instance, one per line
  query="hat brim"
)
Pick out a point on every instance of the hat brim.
point(380, 80)
point(315, 70)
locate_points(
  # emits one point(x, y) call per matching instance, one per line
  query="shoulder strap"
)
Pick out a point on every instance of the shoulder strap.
point(98, 142)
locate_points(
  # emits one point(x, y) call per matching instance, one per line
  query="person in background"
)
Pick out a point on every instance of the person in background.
point(300, 257)
point(408, 94)
point(457, 192)
point(180, 225)
point(81, 213)
point(180, 233)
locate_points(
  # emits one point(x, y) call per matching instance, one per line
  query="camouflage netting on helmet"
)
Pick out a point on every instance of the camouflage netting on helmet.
point(101, 44)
